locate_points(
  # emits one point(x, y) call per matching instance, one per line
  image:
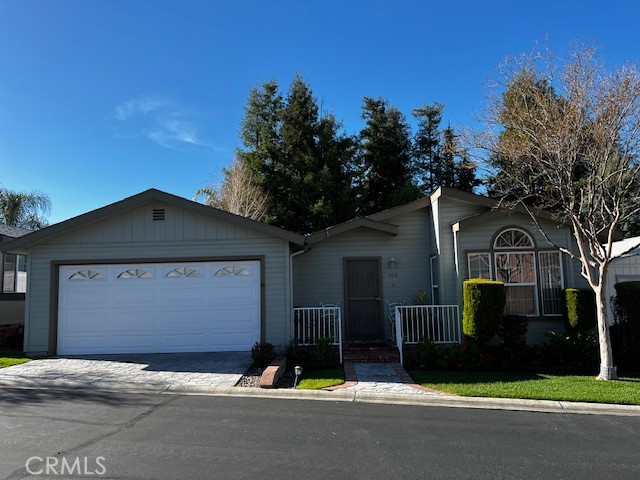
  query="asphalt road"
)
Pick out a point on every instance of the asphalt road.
point(134, 436)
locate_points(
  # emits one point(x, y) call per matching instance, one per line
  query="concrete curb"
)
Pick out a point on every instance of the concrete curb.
point(448, 401)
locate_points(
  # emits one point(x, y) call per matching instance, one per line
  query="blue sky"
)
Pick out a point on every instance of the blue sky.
point(100, 100)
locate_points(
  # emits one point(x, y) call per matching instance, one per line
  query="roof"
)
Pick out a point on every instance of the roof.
point(140, 199)
point(627, 246)
point(13, 232)
point(351, 225)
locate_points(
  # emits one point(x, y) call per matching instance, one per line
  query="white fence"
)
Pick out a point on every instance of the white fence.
point(311, 323)
point(440, 323)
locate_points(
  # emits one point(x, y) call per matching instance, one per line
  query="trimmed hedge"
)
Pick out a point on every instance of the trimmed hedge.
point(483, 308)
point(625, 334)
point(580, 309)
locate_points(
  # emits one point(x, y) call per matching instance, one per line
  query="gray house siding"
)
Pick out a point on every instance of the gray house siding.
point(134, 235)
point(318, 274)
point(446, 213)
point(478, 238)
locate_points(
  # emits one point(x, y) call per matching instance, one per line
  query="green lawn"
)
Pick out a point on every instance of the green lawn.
point(9, 357)
point(317, 379)
point(533, 386)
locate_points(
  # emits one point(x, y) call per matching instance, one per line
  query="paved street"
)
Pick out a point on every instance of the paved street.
point(171, 436)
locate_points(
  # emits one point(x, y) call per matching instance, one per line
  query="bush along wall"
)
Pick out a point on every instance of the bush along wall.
point(580, 309)
point(483, 308)
point(625, 333)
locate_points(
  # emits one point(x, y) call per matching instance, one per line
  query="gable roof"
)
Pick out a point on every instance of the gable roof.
point(140, 199)
point(13, 232)
point(352, 225)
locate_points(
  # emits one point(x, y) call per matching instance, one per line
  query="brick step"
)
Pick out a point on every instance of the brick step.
point(371, 354)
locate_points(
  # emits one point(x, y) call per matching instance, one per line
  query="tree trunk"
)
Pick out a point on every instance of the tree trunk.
point(607, 370)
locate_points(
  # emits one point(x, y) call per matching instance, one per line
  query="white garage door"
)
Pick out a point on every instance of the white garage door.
point(159, 307)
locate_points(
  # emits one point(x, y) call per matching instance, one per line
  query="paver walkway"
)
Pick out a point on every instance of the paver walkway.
point(382, 377)
point(221, 369)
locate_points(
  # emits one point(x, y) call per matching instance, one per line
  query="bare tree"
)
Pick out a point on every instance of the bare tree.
point(238, 194)
point(565, 136)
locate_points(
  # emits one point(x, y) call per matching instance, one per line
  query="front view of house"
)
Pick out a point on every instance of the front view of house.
point(159, 273)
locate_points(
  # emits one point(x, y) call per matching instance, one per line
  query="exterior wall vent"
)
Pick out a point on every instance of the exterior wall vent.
point(158, 214)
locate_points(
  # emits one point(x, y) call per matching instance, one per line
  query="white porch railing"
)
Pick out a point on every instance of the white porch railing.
point(440, 323)
point(311, 323)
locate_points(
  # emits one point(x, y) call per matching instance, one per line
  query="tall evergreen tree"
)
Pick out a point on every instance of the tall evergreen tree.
point(385, 154)
point(336, 202)
point(300, 160)
point(447, 174)
point(260, 132)
point(427, 151)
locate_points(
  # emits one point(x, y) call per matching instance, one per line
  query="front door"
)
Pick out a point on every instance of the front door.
point(363, 299)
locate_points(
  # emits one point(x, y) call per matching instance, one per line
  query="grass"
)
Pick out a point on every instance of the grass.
point(317, 379)
point(10, 357)
point(536, 386)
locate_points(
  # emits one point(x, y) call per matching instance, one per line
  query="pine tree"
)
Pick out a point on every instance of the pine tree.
point(300, 160)
point(427, 151)
point(259, 132)
point(385, 154)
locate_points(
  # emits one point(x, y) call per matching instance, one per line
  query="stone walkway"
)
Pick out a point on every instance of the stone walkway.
point(162, 371)
point(381, 377)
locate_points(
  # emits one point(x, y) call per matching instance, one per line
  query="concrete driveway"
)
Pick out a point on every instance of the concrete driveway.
point(149, 372)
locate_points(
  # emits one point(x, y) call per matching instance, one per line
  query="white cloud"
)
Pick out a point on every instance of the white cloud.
point(139, 106)
point(161, 120)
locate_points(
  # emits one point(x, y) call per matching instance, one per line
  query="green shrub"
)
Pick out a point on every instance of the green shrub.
point(467, 356)
point(625, 334)
point(580, 309)
point(512, 330)
point(483, 308)
point(426, 354)
point(263, 353)
point(322, 352)
point(575, 352)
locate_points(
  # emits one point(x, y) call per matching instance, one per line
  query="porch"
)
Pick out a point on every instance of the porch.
point(408, 323)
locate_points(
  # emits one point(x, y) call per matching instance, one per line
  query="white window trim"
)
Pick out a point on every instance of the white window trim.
point(488, 254)
point(559, 254)
point(536, 290)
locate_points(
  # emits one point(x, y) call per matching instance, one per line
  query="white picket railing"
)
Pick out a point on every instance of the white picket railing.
point(311, 323)
point(440, 323)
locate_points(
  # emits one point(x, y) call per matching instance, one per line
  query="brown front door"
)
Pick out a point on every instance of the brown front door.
point(363, 299)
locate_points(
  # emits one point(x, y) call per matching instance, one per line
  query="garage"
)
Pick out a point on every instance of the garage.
point(158, 307)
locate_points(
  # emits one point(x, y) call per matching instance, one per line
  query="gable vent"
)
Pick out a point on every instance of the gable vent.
point(158, 214)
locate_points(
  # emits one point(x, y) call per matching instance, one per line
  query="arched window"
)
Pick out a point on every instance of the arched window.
point(516, 267)
point(513, 238)
point(533, 279)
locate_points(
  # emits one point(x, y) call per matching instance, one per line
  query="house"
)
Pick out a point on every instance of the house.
point(432, 245)
point(159, 273)
point(13, 279)
point(625, 269)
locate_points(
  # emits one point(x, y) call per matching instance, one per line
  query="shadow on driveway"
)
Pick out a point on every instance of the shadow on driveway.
point(207, 362)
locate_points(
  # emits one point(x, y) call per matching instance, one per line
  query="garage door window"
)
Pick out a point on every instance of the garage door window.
point(87, 275)
point(182, 272)
point(135, 273)
point(235, 270)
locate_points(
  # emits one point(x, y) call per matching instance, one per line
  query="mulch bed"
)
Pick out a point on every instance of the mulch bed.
point(251, 378)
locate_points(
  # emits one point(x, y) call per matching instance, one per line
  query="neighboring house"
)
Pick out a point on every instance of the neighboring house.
point(13, 279)
point(159, 273)
point(626, 269)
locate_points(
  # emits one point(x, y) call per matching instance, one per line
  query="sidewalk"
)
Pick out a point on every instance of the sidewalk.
point(384, 389)
point(380, 378)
